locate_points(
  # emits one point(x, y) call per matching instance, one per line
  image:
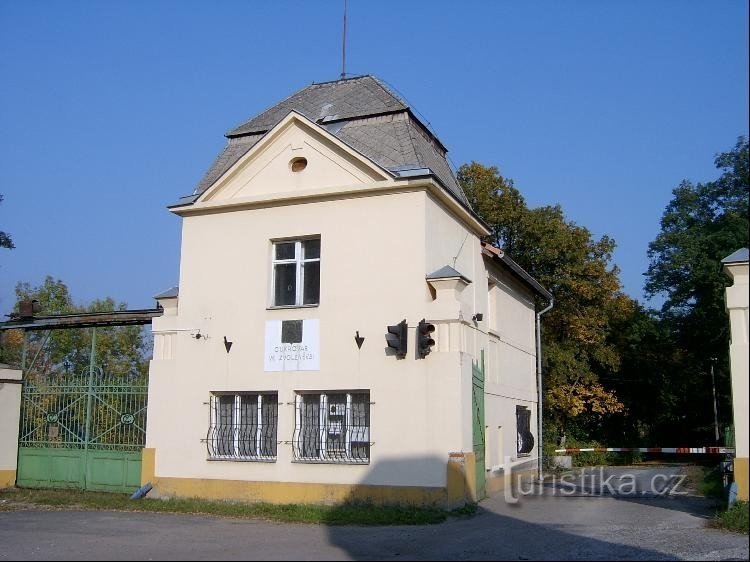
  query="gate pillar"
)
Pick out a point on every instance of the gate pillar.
point(10, 409)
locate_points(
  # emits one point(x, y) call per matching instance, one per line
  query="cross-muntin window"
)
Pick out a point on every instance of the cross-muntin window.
point(296, 272)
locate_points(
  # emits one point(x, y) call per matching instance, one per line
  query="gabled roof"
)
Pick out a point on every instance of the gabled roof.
point(739, 256)
point(361, 112)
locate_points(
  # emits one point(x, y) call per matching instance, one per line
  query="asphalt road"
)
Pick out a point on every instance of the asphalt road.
point(544, 524)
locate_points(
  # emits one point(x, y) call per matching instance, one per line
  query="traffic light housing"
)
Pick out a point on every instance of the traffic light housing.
point(396, 338)
point(424, 339)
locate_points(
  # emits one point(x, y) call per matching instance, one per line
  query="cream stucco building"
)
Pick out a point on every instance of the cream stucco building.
point(737, 266)
point(326, 219)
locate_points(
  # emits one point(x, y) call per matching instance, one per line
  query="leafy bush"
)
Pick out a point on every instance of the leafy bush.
point(733, 519)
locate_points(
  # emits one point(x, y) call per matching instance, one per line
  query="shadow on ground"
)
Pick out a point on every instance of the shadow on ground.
point(661, 487)
point(496, 531)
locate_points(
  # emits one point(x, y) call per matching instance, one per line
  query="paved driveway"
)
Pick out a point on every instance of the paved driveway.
point(543, 525)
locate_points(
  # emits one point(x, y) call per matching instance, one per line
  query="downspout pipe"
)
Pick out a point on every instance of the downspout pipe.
point(540, 447)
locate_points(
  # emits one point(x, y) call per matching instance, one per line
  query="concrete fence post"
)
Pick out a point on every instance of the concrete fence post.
point(10, 412)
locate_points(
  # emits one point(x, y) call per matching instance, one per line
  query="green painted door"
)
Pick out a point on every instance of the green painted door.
point(478, 428)
point(84, 432)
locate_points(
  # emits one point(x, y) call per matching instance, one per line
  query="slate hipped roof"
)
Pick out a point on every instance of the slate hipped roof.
point(361, 112)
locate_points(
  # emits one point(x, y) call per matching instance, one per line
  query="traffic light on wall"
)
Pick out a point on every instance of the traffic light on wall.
point(424, 339)
point(396, 338)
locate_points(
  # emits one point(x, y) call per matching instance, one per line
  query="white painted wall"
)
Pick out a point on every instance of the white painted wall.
point(511, 365)
point(365, 286)
point(737, 306)
point(377, 246)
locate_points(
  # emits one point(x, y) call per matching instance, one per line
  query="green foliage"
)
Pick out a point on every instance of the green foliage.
point(702, 224)
point(577, 268)
point(603, 352)
point(736, 518)
point(5, 240)
point(711, 484)
point(120, 351)
point(600, 458)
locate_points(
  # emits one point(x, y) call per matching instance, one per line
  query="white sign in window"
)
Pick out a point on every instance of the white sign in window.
point(292, 345)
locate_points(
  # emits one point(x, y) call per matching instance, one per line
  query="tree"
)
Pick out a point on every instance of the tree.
point(702, 224)
point(577, 269)
point(121, 351)
point(5, 240)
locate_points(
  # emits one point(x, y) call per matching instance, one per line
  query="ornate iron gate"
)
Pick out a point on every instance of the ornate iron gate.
point(79, 429)
point(477, 398)
point(82, 432)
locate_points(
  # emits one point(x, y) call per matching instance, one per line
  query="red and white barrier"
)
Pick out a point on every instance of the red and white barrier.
point(679, 450)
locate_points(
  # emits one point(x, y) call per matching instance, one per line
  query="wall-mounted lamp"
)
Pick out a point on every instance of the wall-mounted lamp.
point(477, 317)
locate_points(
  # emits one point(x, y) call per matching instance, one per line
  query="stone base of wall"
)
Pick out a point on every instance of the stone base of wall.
point(741, 477)
point(7, 478)
point(456, 493)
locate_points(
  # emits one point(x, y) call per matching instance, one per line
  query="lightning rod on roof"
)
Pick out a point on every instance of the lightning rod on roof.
point(343, 46)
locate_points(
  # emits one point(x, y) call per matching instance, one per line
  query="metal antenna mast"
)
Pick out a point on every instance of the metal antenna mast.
point(343, 46)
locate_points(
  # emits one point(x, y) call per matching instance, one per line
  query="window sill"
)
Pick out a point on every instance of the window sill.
point(288, 306)
point(239, 459)
point(322, 461)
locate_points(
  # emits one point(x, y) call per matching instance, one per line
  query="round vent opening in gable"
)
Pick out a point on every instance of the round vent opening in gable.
point(298, 164)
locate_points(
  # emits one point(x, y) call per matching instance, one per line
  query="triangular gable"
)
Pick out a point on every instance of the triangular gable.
point(267, 167)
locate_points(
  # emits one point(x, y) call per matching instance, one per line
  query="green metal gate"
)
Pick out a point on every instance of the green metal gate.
point(477, 399)
point(82, 431)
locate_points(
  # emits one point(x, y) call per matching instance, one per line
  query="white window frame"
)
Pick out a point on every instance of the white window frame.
point(299, 261)
point(362, 432)
point(237, 422)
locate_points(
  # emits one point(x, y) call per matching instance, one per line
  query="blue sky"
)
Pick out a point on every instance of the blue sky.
point(110, 111)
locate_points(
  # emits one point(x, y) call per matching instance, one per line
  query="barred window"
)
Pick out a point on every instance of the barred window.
point(243, 427)
point(332, 427)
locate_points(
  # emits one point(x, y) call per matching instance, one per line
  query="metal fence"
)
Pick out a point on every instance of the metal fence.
point(84, 412)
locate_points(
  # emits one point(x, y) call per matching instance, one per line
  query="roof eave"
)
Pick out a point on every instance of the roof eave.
point(519, 272)
point(431, 175)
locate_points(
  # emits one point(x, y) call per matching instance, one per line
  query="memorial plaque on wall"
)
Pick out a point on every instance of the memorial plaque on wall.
point(292, 345)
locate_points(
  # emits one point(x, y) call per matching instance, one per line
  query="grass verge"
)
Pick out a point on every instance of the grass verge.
point(348, 514)
point(733, 519)
point(712, 484)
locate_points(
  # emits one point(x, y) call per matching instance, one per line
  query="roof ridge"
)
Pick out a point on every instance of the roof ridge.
point(245, 126)
point(357, 77)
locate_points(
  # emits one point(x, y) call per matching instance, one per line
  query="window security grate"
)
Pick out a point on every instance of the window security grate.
point(332, 428)
point(525, 440)
point(243, 427)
